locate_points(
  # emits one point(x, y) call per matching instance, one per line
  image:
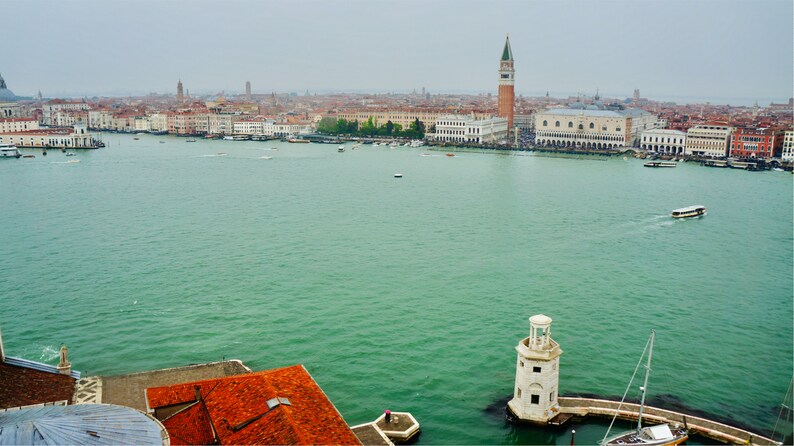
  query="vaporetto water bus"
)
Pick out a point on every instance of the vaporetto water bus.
point(691, 211)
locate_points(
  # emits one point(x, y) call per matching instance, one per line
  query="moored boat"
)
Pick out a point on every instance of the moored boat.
point(301, 141)
point(657, 435)
point(9, 151)
point(689, 211)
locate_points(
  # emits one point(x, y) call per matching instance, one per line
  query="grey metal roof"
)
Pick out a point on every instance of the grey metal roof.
point(38, 366)
point(84, 424)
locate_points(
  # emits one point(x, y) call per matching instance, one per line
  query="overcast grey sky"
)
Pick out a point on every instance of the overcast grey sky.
point(667, 49)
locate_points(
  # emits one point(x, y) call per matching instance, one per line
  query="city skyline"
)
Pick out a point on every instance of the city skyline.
point(720, 50)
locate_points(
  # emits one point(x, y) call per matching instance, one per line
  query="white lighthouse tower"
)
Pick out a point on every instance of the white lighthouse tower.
point(537, 374)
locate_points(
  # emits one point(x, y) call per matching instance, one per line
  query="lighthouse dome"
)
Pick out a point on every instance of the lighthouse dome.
point(540, 319)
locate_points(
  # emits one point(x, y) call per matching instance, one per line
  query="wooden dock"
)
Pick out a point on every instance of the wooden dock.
point(584, 407)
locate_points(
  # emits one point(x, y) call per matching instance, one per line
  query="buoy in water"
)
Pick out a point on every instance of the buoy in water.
point(398, 175)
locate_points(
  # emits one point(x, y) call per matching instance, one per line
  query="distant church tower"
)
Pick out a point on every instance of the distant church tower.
point(247, 90)
point(180, 97)
point(507, 80)
point(537, 374)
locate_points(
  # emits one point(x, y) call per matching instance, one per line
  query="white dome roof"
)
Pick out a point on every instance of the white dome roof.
point(540, 319)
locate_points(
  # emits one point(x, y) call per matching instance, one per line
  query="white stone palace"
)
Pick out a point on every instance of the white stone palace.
point(592, 128)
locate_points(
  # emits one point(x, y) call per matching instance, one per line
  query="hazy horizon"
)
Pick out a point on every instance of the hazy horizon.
point(719, 50)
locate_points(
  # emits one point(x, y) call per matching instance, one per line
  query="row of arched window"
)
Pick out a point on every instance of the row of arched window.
point(581, 126)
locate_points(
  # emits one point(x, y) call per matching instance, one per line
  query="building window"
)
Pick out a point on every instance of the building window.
point(570, 124)
point(518, 393)
point(557, 124)
point(536, 369)
point(545, 123)
point(581, 127)
point(592, 126)
point(617, 129)
point(551, 396)
point(535, 399)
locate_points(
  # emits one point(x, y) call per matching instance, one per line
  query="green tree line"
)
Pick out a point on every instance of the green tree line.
point(370, 128)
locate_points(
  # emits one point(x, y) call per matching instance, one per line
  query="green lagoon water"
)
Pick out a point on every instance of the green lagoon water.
point(408, 294)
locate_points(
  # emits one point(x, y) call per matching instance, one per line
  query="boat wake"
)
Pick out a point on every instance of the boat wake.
point(214, 155)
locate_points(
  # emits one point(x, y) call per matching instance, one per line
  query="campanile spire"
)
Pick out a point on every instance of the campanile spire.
point(507, 96)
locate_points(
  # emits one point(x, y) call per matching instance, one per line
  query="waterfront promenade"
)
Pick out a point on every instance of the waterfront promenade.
point(585, 407)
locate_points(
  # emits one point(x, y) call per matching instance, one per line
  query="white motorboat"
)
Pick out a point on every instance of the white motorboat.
point(690, 211)
point(9, 151)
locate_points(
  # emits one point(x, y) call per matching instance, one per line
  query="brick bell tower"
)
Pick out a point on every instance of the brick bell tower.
point(507, 80)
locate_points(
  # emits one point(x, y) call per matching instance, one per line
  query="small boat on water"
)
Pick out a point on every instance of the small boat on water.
point(136, 139)
point(190, 140)
point(9, 151)
point(689, 211)
point(162, 142)
point(658, 435)
point(340, 149)
point(300, 141)
point(660, 164)
point(398, 175)
point(450, 154)
point(71, 154)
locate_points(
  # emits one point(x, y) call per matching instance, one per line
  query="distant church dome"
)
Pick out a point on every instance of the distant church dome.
point(5, 93)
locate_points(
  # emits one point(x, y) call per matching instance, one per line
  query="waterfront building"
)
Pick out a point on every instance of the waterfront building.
point(401, 116)
point(665, 141)
point(592, 128)
point(18, 124)
point(221, 124)
point(68, 118)
point(100, 119)
point(142, 124)
point(73, 138)
point(525, 123)
point(279, 406)
point(10, 110)
point(180, 96)
point(708, 140)
point(535, 396)
point(751, 142)
point(507, 96)
point(468, 129)
point(56, 105)
point(158, 122)
point(788, 146)
point(249, 126)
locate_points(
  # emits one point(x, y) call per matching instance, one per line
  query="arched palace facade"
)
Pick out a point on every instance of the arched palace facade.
point(591, 129)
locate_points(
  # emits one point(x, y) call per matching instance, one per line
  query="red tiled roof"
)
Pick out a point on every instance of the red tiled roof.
point(48, 131)
point(18, 119)
point(238, 411)
point(21, 386)
point(194, 426)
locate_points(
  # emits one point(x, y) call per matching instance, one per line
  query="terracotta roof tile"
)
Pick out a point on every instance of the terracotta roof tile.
point(20, 386)
point(237, 408)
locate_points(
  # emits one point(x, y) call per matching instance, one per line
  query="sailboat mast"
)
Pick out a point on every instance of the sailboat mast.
point(645, 384)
